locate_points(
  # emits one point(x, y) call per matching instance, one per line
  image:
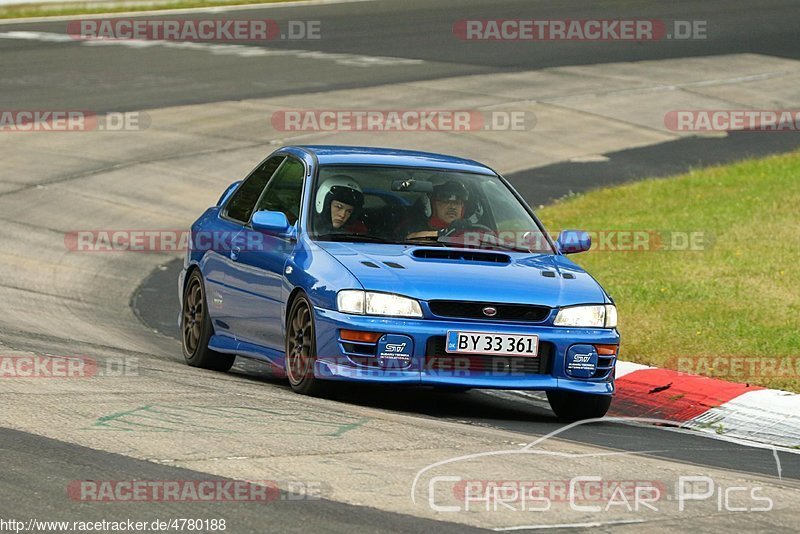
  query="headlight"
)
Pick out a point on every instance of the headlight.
point(361, 302)
point(588, 316)
point(350, 301)
point(611, 316)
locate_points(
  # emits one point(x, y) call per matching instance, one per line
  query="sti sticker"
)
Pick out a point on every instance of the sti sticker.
point(395, 350)
point(581, 361)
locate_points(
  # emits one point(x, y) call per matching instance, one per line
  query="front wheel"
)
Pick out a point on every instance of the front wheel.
point(196, 329)
point(577, 406)
point(301, 349)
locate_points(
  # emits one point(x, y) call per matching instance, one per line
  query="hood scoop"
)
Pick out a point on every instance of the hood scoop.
point(552, 274)
point(461, 255)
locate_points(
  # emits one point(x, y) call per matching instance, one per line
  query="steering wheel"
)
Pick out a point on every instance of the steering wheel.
point(462, 226)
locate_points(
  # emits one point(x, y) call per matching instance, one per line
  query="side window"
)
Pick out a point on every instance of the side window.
point(241, 204)
point(284, 193)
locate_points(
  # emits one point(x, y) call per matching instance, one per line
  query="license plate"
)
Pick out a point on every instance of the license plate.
point(488, 343)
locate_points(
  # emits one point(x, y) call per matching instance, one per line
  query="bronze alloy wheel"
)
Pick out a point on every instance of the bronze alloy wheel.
point(196, 329)
point(301, 347)
point(193, 315)
point(298, 354)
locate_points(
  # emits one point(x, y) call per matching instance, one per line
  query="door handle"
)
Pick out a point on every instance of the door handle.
point(235, 253)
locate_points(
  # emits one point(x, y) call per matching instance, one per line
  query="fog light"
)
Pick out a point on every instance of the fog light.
point(606, 350)
point(363, 337)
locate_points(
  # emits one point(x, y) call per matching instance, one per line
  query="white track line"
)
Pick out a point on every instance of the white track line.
point(765, 415)
point(591, 524)
point(150, 13)
point(351, 60)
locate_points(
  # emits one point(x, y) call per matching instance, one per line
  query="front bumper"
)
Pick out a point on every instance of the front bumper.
point(335, 360)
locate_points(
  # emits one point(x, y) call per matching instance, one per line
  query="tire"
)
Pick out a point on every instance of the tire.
point(301, 349)
point(196, 329)
point(577, 406)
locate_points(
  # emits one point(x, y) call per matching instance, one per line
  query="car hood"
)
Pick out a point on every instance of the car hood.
point(464, 275)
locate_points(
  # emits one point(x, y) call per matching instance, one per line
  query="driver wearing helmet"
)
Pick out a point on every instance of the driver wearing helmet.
point(338, 199)
point(447, 206)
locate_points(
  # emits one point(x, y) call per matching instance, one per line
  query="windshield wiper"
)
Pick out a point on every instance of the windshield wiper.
point(352, 237)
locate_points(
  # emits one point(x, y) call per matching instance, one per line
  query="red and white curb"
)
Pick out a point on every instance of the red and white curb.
point(728, 409)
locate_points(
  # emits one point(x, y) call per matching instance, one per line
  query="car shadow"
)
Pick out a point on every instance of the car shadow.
point(472, 406)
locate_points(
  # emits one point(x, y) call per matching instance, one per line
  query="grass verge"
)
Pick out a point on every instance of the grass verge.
point(90, 8)
point(731, 309)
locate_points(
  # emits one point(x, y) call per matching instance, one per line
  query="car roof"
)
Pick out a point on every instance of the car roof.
point(360, 155)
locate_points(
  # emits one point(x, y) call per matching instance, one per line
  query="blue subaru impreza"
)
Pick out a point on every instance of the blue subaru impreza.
point(337, 263)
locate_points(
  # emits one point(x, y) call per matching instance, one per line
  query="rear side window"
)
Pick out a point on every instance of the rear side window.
point(285, 191)
point(240, 206)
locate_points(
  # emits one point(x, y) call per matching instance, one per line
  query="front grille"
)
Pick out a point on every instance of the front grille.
point(604, 366)
point(436, 359)
point(358, 349)
point(363, 354)
point(474, 310)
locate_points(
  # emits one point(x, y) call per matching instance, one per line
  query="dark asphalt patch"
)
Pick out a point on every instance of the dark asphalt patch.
point(37, 472)
point(543, 185)
point(71, 76)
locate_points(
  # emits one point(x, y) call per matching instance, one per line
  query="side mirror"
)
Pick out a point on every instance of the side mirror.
point(231, 188)
point(273, 222)
point(574, 241)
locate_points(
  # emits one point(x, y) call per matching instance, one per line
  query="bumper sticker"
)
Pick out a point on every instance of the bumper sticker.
point(394, 351)
point(581, 361)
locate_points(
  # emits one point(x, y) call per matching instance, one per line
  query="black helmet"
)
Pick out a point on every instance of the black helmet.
point(450, 190)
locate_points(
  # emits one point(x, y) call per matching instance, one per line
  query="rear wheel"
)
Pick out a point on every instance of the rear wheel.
point(196, 329)
point(576, 406)
point(301, 349)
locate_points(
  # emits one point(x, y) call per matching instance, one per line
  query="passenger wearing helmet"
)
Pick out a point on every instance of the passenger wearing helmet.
point(338, 200)
point(446, 206)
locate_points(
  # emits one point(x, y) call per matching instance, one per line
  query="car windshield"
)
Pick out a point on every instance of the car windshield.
point(399, 205)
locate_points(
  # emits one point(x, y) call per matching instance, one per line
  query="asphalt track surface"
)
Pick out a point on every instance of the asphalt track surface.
point(115, 80)
point(38, 470)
